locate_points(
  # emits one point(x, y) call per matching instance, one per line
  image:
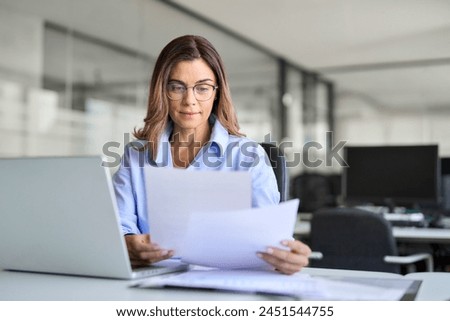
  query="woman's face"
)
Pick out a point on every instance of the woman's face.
point(189, 113)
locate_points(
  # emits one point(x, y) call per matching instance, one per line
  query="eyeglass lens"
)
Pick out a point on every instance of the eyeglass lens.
point(201, 91)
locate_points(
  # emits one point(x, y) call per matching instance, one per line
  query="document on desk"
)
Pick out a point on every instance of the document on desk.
point(173, 194)
point(231, 239)
point(299, 286)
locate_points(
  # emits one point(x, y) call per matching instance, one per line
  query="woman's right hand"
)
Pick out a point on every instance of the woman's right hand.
point(142, 252)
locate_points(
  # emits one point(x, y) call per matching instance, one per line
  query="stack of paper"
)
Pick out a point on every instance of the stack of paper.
point(207, 219)
point(298, 286)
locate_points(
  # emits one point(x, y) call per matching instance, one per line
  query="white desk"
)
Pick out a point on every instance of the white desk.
point(405, 234)
point(435, 285)
point(421, 235)
point(35, 286)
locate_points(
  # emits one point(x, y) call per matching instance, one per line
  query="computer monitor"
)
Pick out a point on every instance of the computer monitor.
point(445, 185)
point(392, 175)
point(445, 166)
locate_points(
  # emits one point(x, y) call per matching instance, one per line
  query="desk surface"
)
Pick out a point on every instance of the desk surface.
point(407, 234)
point(36, 286)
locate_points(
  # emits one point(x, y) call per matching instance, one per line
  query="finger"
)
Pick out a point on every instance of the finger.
point(297, 247)
point(285, 261)
point(285, 258)
point(148, 252)
point(155, 256)
point(280, 265)
point(286, 255)
point(164, 257)
point(142, 252)
point(146, 258)
point(136, 247)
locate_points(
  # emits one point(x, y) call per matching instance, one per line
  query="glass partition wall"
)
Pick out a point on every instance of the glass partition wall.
point(74, 76)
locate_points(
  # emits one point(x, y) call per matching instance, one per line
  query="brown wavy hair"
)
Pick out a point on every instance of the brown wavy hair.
point(185, 48)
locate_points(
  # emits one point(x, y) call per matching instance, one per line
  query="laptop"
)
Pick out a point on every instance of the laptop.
point(59, 215)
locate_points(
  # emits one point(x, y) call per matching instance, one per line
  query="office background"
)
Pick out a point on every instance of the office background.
point(74, 74)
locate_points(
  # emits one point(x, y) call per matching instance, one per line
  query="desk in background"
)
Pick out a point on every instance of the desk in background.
point(402, 234)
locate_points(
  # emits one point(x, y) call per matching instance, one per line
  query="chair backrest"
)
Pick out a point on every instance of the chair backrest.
point(352, 239)
point(278, 162)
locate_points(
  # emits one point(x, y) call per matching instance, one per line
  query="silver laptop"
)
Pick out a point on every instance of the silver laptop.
point(59, 215)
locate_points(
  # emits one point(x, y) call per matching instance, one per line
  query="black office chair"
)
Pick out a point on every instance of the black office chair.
point(355, 239)
point(278, 162)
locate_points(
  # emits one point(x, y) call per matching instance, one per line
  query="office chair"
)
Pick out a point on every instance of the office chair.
point(278, 162)
point(355, 239)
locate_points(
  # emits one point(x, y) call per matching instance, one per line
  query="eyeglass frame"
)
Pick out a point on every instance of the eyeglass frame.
point(215, 87)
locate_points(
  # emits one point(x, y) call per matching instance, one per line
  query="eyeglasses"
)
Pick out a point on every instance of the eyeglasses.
point(202, 92)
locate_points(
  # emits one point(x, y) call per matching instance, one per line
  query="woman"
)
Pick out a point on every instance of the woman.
point(191, 124)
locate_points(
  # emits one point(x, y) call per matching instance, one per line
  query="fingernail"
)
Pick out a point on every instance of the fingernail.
point(163, 253)
point(285, 243)
point(269, 250)
point(259, 255)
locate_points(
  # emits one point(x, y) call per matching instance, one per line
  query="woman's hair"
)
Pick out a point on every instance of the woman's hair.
point(185, 48)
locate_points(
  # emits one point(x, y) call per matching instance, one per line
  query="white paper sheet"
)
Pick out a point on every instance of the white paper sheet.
point(231, 239)
point(300, 285)
point(172, 194)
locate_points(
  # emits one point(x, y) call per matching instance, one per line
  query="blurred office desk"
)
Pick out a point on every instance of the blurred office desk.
point(23, 286)
point(421, 235)
point(403, 234)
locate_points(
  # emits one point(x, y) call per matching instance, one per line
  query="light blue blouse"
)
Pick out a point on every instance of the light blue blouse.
point(224, 152)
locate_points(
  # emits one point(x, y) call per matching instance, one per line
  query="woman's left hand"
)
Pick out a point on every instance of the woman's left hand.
point(287, 261)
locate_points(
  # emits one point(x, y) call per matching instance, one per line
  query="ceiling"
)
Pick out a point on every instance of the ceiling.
point(394, 53)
